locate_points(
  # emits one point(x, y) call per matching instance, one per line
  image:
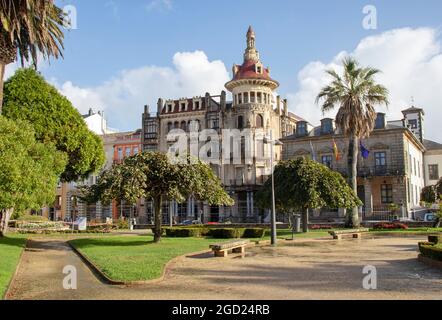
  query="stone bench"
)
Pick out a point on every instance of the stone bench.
point(222, 249)
point(356, 233)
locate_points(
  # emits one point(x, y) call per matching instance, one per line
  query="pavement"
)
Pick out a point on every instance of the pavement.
point(298, 270)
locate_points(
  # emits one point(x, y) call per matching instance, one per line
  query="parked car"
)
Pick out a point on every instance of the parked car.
point(430, 217)
point(190, 222)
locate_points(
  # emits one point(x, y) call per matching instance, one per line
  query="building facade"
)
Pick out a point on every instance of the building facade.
point(391, 174)
point(241, 126)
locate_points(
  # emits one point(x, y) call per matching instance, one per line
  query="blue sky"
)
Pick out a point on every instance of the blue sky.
point(119, 36)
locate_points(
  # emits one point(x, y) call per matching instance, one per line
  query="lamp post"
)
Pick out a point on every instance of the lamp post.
point(273, 213)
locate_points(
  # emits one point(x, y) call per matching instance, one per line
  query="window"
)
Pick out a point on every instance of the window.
point(327, 161)
point(412, 124)
point(252, 97)
point(151, 127)
point(380, 121)
point(259, 97)
point(246, 97)
point(418, 169)
point(197, 105)
point(259, 70)
point(169, 126)
point(380, 159)
point(120, 153)
point(183, 125)
point(240, 98)
point(327, 126)
point(136, 150)
point(301, 128)
point(259, 121)
point(214, 124)
point(240, 122)
point(433, 171)
point(128, 151)
point(183, 106)
point(386, 193)
point(169, 108)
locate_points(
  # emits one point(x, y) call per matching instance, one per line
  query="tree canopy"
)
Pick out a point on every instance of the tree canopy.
point(432, 194)
point(154, 176)
point(29, 170)
point(30, 98)
point(303, 184)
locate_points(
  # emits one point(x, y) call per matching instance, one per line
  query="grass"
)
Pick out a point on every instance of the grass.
point(10, 251)
point(136, 258)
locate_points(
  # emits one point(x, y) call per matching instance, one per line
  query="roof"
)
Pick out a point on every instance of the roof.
point(413, 109)
point(248, 70)
point(432, 145)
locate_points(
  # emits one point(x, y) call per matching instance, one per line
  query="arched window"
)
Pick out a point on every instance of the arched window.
point(183, 125)
point(240, 122)
point(169, 126)
point(176, 125)
point(259, 121)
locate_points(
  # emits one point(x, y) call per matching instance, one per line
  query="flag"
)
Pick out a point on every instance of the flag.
point(364, 151)
point(313, 151)
point(336, 151)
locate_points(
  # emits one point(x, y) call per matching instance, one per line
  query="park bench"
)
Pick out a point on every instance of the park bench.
point(356, 233)
point(222, 249)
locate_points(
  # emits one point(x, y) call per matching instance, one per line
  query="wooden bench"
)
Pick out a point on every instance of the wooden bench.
point(356, 233)
point(236, 246)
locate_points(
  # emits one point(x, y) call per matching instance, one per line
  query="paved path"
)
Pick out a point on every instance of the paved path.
point(304, 270)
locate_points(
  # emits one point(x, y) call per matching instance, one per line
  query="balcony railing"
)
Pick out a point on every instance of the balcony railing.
point(374, 171)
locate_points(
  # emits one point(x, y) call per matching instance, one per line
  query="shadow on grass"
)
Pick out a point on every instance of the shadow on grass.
point(16, 242)
point(82, 243)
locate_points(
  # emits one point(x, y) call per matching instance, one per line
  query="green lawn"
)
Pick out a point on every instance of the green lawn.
point(10, 250)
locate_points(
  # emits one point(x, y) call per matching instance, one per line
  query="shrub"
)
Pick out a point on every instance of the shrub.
point(122, 224)
point(254, 233)
point(32, 218)
point(430, 250)
point(435, 239)
point(321, 227)
point(183, 232)
point(227, 233)
point(390, 226)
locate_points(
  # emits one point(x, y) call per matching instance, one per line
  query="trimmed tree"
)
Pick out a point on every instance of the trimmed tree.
point(356, 94)
point(304, 184)
point(154, 176)
point(30, 98)
point(28, 171)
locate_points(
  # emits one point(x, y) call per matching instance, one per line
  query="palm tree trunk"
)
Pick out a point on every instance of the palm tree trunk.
point(158, 216)
point(5, 216)
point(353, 152)
point(2, 75)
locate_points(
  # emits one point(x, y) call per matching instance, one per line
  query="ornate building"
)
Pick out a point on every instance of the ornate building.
point(254, 113)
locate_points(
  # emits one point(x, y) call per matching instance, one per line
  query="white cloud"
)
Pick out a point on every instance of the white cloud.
point(123, 97)
point(411, 62)
point(161, 5)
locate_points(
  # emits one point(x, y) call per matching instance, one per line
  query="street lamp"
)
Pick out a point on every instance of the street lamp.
point(273, 214)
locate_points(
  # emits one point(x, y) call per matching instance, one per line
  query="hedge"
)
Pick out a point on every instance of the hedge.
point(430, 250)
point(184, 232)
point(227, 233)
point(254, 233)
point(435, 239)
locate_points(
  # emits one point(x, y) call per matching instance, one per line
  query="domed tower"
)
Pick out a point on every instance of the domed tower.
point(252, 112)
point(252, 90)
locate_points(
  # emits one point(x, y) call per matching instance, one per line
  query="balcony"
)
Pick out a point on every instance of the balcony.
point(374, 171)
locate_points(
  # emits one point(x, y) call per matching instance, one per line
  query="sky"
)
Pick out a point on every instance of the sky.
point(123, 55)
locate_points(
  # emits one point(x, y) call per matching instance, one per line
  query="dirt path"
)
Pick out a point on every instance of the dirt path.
point(305, 270)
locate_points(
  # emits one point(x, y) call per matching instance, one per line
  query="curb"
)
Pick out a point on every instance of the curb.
point(106, 279)
point(8, 289)
point(430, 262)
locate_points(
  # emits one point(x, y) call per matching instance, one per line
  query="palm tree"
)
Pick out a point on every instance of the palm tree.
point(29, 27)
point(355, 93)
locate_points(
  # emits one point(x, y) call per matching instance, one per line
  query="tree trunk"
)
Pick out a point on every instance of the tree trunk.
point(158, 207)
point(305, 220)
point(2, 75)
point(353, 152)
point(5, 215)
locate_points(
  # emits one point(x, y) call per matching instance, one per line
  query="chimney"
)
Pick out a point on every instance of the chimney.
point(160, 106)
point(286, 108)
point(223, 100)
point(146, 110)
point(278, 104)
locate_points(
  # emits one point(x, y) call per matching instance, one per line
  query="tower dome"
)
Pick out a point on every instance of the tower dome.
point(252, 70)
